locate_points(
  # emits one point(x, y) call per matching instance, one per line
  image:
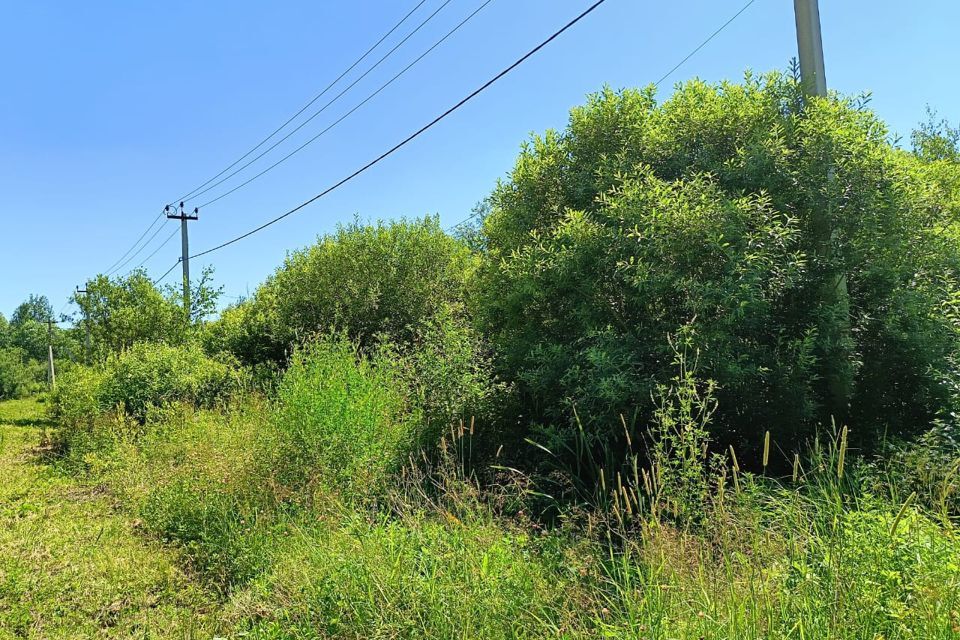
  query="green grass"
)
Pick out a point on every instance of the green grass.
point(71, 565)
point(181, 529)
point(25, 412)
point(821, 559)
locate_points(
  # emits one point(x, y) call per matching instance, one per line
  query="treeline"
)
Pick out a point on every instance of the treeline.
point(24, 341)
point(639, 228)
point(112, 316)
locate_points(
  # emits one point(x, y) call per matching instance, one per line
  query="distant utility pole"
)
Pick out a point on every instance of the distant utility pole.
point(183, 217)
point(51, 373)
point(86, 328)
point(835, 326)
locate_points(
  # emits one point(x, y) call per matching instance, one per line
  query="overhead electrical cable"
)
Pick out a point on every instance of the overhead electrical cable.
point(655, 84)
point(166, 273)
point(329, 103)
point(133, 246)
point(341, 118)
point(125, 262)
point(116, 265)
point(314, 99)
point(367, 99)
point(157, 250)
point(409, 138)
point(704, 43)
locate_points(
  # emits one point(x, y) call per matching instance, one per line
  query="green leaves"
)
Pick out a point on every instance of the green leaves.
point(709, 210)
point(368, 281)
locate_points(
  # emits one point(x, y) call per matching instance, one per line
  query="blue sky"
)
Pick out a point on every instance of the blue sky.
point(111, 109)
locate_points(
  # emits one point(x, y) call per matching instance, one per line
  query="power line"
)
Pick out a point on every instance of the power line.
point(65, 305)
point(462, 222)
point(157, 250)
point(412, 136)
point(324, 107)
point(142, 235)
point(704, 43)
point(124, 263)
point(321, 110)
point(655, 84)
point(338, 120)
point(312, 100)
point(166, 273)
point(119, 263)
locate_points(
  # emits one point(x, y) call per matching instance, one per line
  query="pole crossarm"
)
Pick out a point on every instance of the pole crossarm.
point(184, 217)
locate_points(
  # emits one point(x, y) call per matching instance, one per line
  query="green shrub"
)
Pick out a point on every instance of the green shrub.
point(448, 373)
point(705, 212)
point(18, 376)
point(371, 282)
point(153, 374)
point(351, 418)
point(342, 417)
point(130, 385)
point(76, 400)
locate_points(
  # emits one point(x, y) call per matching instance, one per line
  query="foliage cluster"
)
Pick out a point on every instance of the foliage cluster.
point(19, 376)
point(122, 311)
point(23, 347)
point(138, 379)
point(707, 212)
point(370, 282)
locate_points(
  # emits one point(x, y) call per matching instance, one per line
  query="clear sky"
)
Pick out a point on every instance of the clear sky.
point(108, 110)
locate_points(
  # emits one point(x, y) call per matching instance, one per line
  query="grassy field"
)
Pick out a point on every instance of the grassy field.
point(72, 566)
point(174, 535)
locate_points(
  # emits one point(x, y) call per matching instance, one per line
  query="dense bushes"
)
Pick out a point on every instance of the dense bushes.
point(144, 376)
point(149, 375)
point(122, 311)
point(705, 214)
point(344, 417)
point(352, 419)
point(369, 282)
point(18, 375)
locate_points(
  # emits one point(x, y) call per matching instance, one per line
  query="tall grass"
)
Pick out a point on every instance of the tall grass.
point(316, 516)
point(342, 419)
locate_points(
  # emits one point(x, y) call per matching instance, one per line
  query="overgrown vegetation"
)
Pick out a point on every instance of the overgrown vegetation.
point(704, 213)
point(624, 406)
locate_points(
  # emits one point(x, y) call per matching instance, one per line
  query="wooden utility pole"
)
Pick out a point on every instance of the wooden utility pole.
point(835, 323)
point(183, 217)
point(51, 372)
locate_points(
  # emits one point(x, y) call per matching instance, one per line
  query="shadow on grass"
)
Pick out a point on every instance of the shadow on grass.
point(28, 422)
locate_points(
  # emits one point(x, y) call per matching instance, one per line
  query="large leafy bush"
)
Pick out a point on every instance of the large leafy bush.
point(705, 214)
point(367, 281)
point(342, 417)
point(352, 417)
point(145, 376)
point(122, 311)
point(18, 375)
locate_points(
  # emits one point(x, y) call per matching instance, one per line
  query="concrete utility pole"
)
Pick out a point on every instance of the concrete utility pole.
point(834, 329)
point(184, 250)
point(810, 47)
point(51, 372)
point(86, 329)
